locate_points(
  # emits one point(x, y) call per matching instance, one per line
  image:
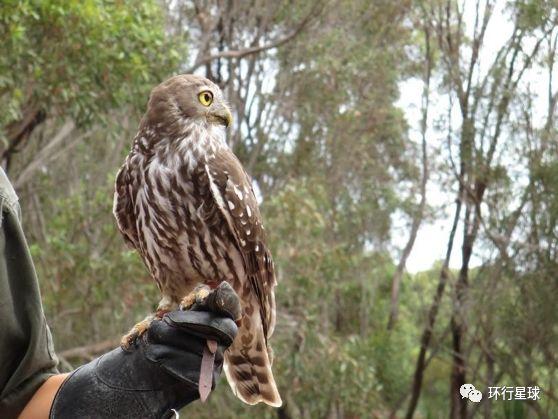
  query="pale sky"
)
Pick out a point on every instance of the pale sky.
point(431, 241)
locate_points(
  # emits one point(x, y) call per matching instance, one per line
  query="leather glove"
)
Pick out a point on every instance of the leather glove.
point(160, 373)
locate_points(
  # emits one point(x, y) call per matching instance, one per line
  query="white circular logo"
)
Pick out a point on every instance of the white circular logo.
point(468, 391)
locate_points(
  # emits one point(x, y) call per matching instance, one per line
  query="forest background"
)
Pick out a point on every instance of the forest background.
point(406, 158)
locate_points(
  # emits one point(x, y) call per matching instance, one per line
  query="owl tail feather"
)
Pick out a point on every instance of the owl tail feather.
point(248, 369)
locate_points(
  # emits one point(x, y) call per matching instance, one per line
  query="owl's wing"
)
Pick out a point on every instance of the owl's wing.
point(232, 191)
point(123, 208)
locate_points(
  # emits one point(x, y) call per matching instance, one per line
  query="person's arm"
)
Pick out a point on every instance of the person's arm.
point(27, 356)
point(39, 405)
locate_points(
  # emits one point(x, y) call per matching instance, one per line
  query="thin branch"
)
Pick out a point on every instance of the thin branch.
point(89, 351)
point(417, 218)
point(60, 136)
point(255, 49)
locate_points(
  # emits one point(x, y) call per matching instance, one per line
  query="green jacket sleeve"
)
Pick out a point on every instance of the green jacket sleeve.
point(27, 357)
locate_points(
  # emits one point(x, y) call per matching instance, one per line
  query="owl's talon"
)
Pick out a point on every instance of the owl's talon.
point(137, 331)
point(222, 300)
point(187, 302)
point(128, 339)
point(201, 293)
point(197, 296)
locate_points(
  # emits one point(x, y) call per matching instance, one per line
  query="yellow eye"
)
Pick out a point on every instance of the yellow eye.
point(205, 98)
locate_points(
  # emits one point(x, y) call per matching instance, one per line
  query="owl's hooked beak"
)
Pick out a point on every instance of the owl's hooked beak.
point(222, 115)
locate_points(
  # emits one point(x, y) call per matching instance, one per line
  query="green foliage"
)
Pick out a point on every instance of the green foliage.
point(79, 59)
point(85, 295)
point(534, 14)
point(335, 170)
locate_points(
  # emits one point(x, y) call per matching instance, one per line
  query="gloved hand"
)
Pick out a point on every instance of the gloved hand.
point(161, 372)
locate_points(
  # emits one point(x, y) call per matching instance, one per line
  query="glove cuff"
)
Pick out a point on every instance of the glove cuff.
point(112, 386)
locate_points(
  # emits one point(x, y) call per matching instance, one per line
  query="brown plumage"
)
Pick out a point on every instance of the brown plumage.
point(184, 201)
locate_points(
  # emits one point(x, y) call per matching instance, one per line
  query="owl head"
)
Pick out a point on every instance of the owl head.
point(185, 98)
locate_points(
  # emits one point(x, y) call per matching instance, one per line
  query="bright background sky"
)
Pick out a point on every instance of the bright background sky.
point(431, 241)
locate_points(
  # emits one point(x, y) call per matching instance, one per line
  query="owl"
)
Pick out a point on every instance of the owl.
point(184, 201)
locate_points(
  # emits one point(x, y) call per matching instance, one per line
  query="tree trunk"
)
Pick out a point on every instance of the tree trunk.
point(19, 131)
point(432, 315)
point(458, 406)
